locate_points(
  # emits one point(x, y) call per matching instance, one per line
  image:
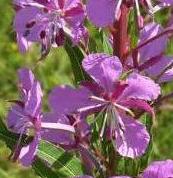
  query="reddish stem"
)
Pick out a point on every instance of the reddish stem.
point(120, 34)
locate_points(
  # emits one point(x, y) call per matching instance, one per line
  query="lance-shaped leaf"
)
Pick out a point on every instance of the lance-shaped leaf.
point(43, 170)
point(76, 56)
point(146, 157)
point(3, 174)
point(107, 48)
point(8, 137)
point(51, 161)
point(65, 164)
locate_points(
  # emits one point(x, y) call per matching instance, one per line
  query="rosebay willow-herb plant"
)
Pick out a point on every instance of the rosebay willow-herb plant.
point(101, 127)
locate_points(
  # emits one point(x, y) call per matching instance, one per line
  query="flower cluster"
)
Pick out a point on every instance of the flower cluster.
point(47, 22)
point(120, 87)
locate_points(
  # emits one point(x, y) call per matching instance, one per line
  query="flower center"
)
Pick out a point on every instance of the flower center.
point(113, 103)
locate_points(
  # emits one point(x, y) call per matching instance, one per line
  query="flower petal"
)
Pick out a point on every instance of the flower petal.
point(104, 69)
point(26, 3)
point(56, 136)
point(141, 87)
point(74, 12)
point(167, 76)
point(132, 138)
point(16, 119)
point(28, 152)
point(160, 169)
point(150, 50)
point(101, 13)
point(23, 44)
point(65, 99)
point(33, 104)
point(26, 79)
point(138, 104)
point(156, 69)
point(23, 17)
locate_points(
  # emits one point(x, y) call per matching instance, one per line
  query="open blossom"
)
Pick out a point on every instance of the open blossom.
point(159, 169)
point(118, 98)
point(151, 59)
point(47, 22)
point(105, 12)
point(114, 97)
point(26, 118)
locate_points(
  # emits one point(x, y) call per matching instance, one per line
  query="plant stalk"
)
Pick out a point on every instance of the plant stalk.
point(120, 34)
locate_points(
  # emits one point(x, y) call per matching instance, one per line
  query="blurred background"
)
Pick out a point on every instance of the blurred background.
point(53, 71)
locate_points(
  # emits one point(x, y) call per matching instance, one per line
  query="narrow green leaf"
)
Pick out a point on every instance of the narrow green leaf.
point(107, 48)
point(8, 137)
point(133, 29)
point(146, 157)
point(44, 171)
point(62, 162)
point(92, 45)
point(76, 56)
point(3, 174)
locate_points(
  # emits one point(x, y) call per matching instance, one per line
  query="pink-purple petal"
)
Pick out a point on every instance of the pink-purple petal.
point(26, 79)
point(132, 139)
point(28, 152)
point(65, 99)
point(23, 44)
point(138, 104)
point(150, 50)
point(104, 69)
point(53, 135)
point(74, 12)
point(16, 119)
point(167, 76)
point(23, 17)
point(156, 69)
point(102, 12)
point(141, 87)
point(33, 104)
point(159, 169)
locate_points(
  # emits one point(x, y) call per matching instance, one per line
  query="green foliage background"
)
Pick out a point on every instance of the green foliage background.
point(54, 70)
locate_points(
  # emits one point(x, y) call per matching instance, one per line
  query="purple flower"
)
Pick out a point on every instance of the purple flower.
point(117, 98)
point(159, 169)
point(152, 60)
point(114, 97)
point(71, 99)
point(26, 118)
point(47, 22)
point(105, 12)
